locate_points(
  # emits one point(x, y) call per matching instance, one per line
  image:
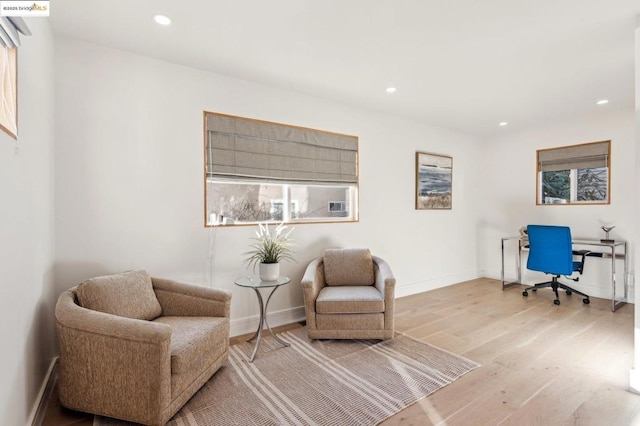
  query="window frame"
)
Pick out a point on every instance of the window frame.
point(352, 188)
point(573, 177)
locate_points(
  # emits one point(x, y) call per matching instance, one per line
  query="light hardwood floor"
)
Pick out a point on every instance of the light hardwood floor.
point(542, 364)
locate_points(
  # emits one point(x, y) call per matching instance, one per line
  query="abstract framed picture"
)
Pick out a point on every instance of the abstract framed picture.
point(9, 91)
point(433, 181)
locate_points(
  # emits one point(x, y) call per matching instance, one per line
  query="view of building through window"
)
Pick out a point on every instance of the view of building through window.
point(249, 202)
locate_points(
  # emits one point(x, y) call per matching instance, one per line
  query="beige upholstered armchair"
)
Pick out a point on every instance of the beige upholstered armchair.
point(349, 294)
point(137, 348)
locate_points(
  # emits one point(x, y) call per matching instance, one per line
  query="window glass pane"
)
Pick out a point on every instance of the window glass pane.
point(322, 202)
point(250, 202)
point(556, 187)
point(592, 184)
point(231, 202)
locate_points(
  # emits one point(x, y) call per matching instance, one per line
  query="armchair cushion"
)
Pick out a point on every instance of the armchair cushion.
point(128, 294)
point(191, 337)
point(349, 267)
point(349, 300)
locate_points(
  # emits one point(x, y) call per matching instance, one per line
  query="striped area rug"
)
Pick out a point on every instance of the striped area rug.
point(320, 382)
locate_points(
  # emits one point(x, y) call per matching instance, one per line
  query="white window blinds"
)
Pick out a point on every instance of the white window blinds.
point(243, 148)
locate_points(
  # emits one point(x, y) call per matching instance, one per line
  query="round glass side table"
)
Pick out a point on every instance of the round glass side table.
point(256, 285)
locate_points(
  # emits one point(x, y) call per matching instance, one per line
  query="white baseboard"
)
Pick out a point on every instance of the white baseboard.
point(250, 324)
point(37, 412)
point(599, 290)
point(408, 289)
point(634, 380)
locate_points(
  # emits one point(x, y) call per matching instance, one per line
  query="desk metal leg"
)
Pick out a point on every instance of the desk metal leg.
point(502, 273)
point(518, 267)
point(263, 322)
point(615, 303)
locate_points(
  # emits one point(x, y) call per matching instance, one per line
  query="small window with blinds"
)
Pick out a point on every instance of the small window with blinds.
point(578, 174)
point(258, 171)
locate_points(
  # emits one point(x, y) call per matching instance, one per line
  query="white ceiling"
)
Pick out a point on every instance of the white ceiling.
point(461, 64)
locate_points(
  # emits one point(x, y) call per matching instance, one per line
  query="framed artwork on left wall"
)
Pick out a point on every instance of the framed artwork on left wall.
point(9, 91)
point(433, 181)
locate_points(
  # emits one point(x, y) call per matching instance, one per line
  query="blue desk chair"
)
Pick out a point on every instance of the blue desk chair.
point(550, 251)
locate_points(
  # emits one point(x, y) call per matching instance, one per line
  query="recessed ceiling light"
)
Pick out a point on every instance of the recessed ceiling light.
point(162, 19)
point(602, 101)
point(391, 89)
point(502, 123)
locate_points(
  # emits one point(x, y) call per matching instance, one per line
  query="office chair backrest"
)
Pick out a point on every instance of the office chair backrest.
point(550, 249)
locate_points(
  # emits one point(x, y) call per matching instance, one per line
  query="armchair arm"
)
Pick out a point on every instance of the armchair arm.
point(177, 299)
point(385, 282)
point(312, 282)
point(111, 364)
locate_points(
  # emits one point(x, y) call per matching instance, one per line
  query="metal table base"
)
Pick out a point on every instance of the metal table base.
point(263, 322)
point(256, 285)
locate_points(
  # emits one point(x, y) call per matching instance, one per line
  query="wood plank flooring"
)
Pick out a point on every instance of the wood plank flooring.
point(542, 364)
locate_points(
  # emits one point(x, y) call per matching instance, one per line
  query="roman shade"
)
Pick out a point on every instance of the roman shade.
point(585, 156)
point(241, 148)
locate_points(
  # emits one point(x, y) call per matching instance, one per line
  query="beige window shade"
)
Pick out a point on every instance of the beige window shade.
point(586, 156)
point(242, 148)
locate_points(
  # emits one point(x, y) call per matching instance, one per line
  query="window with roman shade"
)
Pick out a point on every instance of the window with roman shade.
point(259, 171)
point(578, 174)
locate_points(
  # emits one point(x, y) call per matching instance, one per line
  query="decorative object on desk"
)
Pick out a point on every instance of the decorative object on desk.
point(433, 181)
point(606, 230)
point(269, 250)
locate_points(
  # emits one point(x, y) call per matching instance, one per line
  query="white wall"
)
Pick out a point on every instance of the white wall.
point(509, 194)
point(26, 232)
point(634, 376)
point(129, 189)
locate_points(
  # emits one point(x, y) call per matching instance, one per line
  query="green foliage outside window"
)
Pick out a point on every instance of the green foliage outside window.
point(592, 184)
point(556, 185)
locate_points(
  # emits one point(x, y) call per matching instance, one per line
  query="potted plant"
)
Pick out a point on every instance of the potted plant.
point(269, 249)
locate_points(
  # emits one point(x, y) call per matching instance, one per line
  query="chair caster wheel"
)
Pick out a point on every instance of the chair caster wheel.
point(525, 294)
point(556, 302)
point(568, 292)
point(586, 301)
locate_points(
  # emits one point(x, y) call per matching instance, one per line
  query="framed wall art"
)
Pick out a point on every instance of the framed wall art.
point(433, 181)
point(9, 91)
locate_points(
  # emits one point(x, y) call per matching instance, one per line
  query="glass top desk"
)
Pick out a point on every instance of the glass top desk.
point(614, 250)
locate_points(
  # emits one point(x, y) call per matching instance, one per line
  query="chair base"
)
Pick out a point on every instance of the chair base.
point(555, 285)
point(350, 334)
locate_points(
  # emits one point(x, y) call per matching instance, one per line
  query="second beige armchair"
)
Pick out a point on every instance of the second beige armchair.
point(349, 294)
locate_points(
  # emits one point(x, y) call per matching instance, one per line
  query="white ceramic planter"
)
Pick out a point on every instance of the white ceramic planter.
point(269, 271)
